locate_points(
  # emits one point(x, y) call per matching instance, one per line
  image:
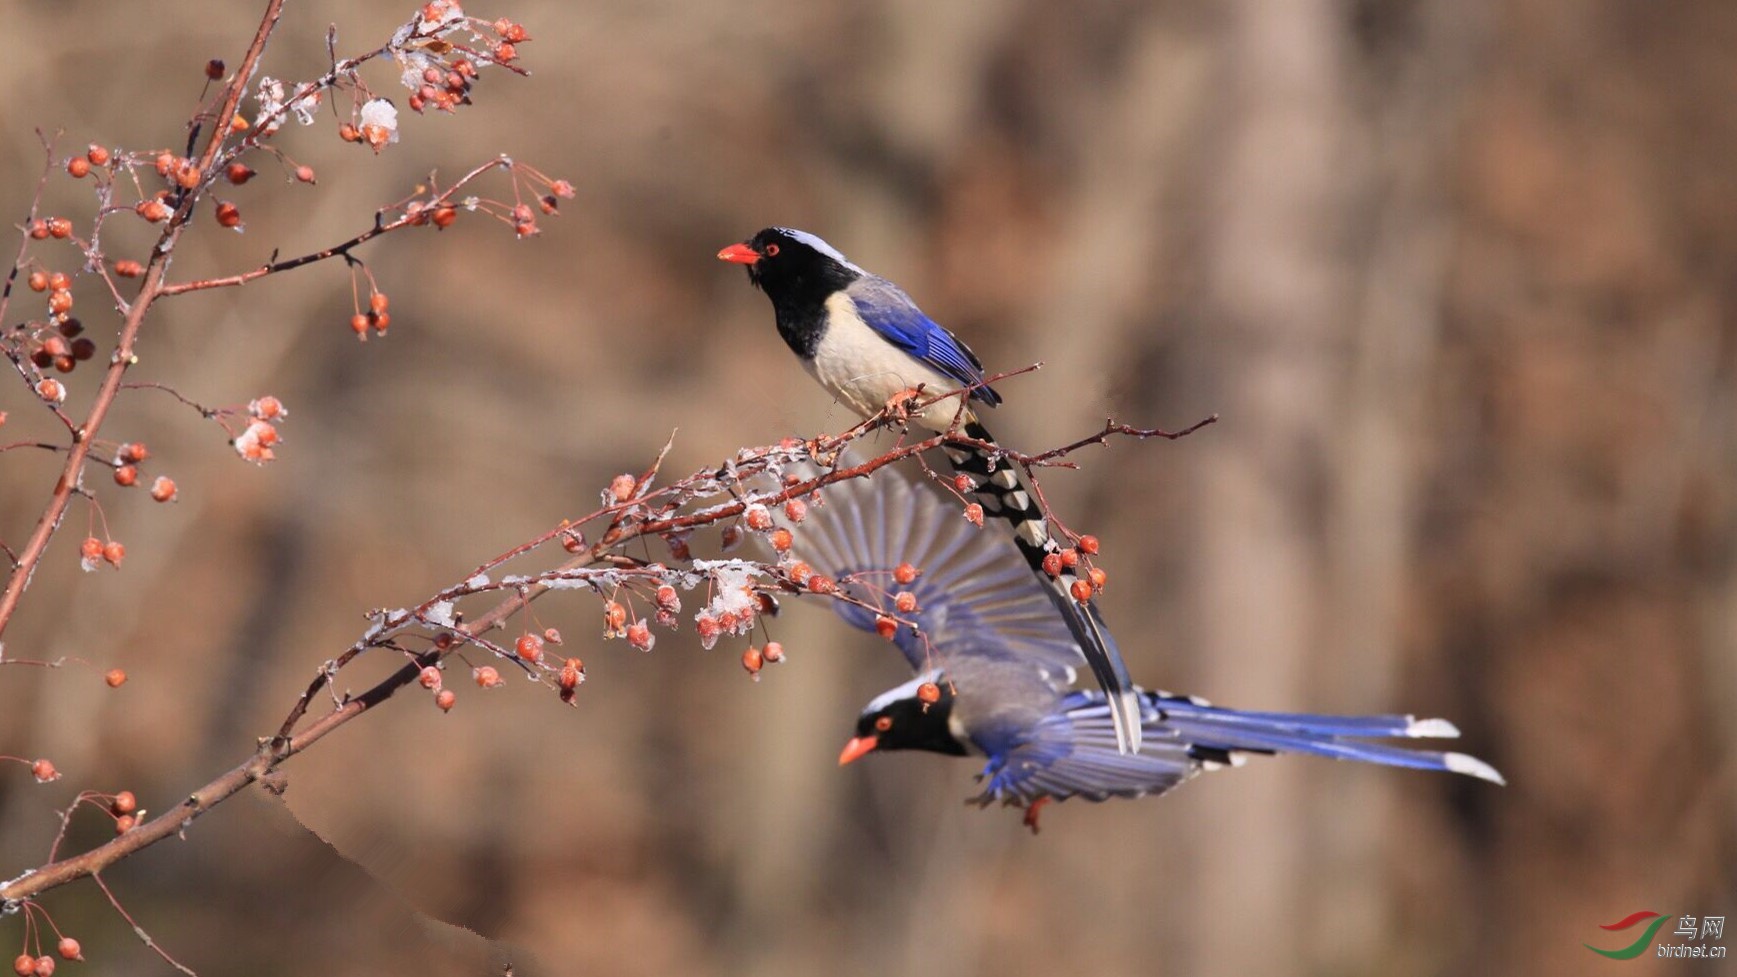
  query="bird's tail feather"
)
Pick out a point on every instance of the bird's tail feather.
point(1004, 496)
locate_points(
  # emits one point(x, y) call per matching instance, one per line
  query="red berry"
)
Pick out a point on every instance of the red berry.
point(91, 549)
point(752, 660)
point(821, 584)
point(378, 302)
point(621, 487)
point(238, 173)
point(69, 949)
point(214, 69)
point(115, 678)
point(126, 475)
point(1088, 545)
point(974, 514)
point(614, 617)
point(445, 699)
point(904, 573)
point(774, 652)
point(24, 965)
point(1098, 578)
point(552, 636)
point(163, 489)
point(1070, 558)
point(800, 573)
point(154, 211)
point(60, 227)
point(60, 302)
point(1052, 564)
point(905, 601)
point(114, 553)
point(444, 215)
point(45, 966)
point(359, 324)
point(668, 599)
point(781, 539)
point(79, 167)
point(228, 215)
point(97, 155)
point(640, 636)
point(38, 281)
point(43, 770)
point(795, 510)
point(125, 823)
point(572, 673)
point(1081, 590)
point(127, 268)
point(305, 174)
point(757, 518)
point(886, 627)
point(133, 452)
point(429, 677)
point(928, 693)
point(124, 803)
point(530, 648)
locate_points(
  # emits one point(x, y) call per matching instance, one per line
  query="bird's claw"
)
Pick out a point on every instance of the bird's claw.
point(898, 406)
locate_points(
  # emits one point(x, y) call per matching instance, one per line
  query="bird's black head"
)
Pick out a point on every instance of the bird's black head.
point(792, 266)
point(905, 723)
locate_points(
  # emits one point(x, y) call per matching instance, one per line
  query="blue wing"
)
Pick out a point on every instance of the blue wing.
point(1073, 752)
point(887, 310)
point(975, 597)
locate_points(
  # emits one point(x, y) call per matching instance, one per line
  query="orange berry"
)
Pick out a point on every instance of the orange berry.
point(757, 518)
point(114, 553)
point(821, 584)
point(621, 487)
point(187, 174)
point(905, 601)
point(238, 173)
point(886, 627)
point(444, 215)
point(60, 302)
point(348, 133)
point(238, 124)
point(24, 965)
point(126, 475)
point(614, 617)
point(774, 652)
point(1088, 545)
point(1052, 564)
point(752, 660)
point(974, 514)
point(133, 452)
point(124, 803)
point(572, 673)
point(1098, 578)
point(128, 268)
point(59, 227)
point(800, 573)
point(795, 510)
point(69, 949)
point(486, 677)
point(1069, 558)
point(59, 282)
point(505, 53)
point(115, 678)
point(359, 324)
point(98, 155)
point(228, 215)
point(38, 230)
point(904, 573)
point(45, 966)
point(445, 699)
point(43, 770)
point(928, 693)
point(163, 489)
point(380, 320)
point(667, 598)
point(165, 162)
point(378, 302)
point(781, 539)
point(123, 824)
point(38, 281)
point(1082, 591)
point(78, 167)
point(305, 174)
point(429, 677)
point(640, 636)
point(530, 648)
point(51, 390)
point(153, 210)
point(91, 549)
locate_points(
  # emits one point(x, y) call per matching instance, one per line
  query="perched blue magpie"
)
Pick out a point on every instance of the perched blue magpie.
point(868, 344)
point(989, 641)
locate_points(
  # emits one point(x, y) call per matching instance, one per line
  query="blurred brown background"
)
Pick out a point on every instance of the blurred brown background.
point(1458, 276)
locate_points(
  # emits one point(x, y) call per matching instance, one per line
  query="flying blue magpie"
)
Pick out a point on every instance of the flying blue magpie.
point(994, 669)
point(868, 344)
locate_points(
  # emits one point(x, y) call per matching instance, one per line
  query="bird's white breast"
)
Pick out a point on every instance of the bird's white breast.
point(864, 371)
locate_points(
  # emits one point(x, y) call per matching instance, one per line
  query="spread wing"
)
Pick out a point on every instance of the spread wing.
point(976, 599)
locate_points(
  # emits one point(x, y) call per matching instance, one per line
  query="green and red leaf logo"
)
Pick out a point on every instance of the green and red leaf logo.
point(1641, 943)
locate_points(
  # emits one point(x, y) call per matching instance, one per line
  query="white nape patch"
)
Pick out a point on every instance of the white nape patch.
point(1432, 729)
point(864, 371)
point(817, 244)
point(905, 691)
point(1471, 766)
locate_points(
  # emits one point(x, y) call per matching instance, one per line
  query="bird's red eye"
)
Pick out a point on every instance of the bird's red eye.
point(771, 250)
point(884, 723)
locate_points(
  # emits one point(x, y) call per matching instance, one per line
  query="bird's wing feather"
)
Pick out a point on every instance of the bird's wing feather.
point(1073, 751)
point(975, 597)
point(886, 309)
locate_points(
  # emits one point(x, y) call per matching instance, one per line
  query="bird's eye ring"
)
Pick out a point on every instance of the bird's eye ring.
point(884, 723)
point(771, 250)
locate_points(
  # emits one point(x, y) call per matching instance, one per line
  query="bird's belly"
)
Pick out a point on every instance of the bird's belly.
point(864, 371)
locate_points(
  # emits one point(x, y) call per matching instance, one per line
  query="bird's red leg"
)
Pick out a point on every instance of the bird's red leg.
point(1032, 812)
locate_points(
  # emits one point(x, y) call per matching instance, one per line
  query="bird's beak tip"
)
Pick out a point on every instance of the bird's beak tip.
point(740, 254)
point(857, 748)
